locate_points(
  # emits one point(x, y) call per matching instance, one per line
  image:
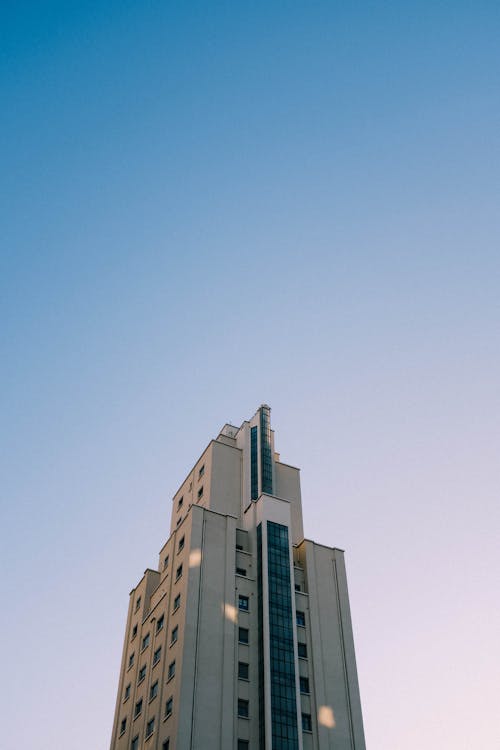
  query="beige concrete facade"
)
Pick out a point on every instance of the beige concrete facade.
point(242, 638)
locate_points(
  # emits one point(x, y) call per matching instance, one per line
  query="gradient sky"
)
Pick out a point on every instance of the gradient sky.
point(208, 206)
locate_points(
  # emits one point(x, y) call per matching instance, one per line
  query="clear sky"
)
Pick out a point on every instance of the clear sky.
point(208, 206)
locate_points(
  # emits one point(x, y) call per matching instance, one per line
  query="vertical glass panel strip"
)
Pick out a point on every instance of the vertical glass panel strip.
point(254, 467)
point(262, 726)
point(283, 693)
point(265, 450)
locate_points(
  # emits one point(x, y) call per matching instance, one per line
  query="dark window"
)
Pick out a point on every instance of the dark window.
point(181, 544)
point(201, 472)
point(178, 573)
point(169, 706)
point(243, 744)
point(166, 745)
point(297, 587)
point(138, 708)
point(243, 602)
point(142, 673)
point(135, 743)
point(165, 562)
point(304, 684)
point(134, 632)
point(302, 650)
point(153, 690)
point(243, 708)
point(241, 571)
point(171, 669)
point(123, 725)
point(266, 463)
point(306, 722)
point(243, 670)
point(254, 464)
point(200, 493)
point(177, 602)
point(138, 603)
point(243, 635)
point(150, 726)
point(159, 623)
point(131, 660)
point(180, 503)
point(157, 655)
point(301, 619)
point(175, 634)
point(145, 642)
point(239, 547)
point(127, 692)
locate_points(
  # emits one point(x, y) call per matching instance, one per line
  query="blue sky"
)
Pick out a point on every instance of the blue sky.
point(208, 206)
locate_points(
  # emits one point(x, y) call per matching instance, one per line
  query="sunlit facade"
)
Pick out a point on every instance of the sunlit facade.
point(242, 638)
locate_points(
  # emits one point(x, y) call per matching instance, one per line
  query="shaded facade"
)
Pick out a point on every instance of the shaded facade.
point(242, 638)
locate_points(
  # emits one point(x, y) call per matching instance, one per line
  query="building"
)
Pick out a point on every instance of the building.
point(242, 638)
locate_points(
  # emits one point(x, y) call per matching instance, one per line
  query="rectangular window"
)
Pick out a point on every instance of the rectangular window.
point(157, 655)
point(243, 635)
point(165, 562)
point(306, 722)
point(159, 623)
point(243, 602)
point(242, 670)
point(178, 573)
point(177, 602)
point(243, 744)
point(134, 632)
point(123, 725)
point(304, 685)
point(180, 503)
point(145, 642)
point(135, 743)
point(171, 669)
point(243, 708)
point(254, 465)
point(297, 587)
point(301, 619)
point(241, 571)
point(181, 544)
point(169, 707)
point(131, 660)
point(138, 708)
point(200, 493)
point(153, 690)
point(127, 693)
point(175, 635)
point(142, 674)
point(138, 603)
point(166, 745)
point(150, 727)
point(201, 472)
point(302, 650)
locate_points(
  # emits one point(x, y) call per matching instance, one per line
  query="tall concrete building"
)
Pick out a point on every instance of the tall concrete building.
point(242, 638)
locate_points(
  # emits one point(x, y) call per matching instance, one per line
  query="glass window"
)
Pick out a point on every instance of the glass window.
point(171, 669)
point(201, 472)
point(177, 602)
point(304, 684)
point(138, 603)
point(178, 573)
point(301, 619)
point(180, 503)
point(181, 544)
point(241, 571)
point(127, 692)
point(159, 623)
point(138, 708)
point(166, 745)
point(200, 493)
point(243, 670)
point(134, 631)
point(302, 649)
point(165, 562)
point(157, 655)
point(169, 707)
point(243, 602)
point(306, 722)
point(135, 743)
point(131, 660)
point(123, 725)
point(153, 690)
point(243, 708)
point(142, 673)
point(175, 635)
point(150, 727)
point(254, 480)
point(243, 744)
point(145, 642)
point(243, 635)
